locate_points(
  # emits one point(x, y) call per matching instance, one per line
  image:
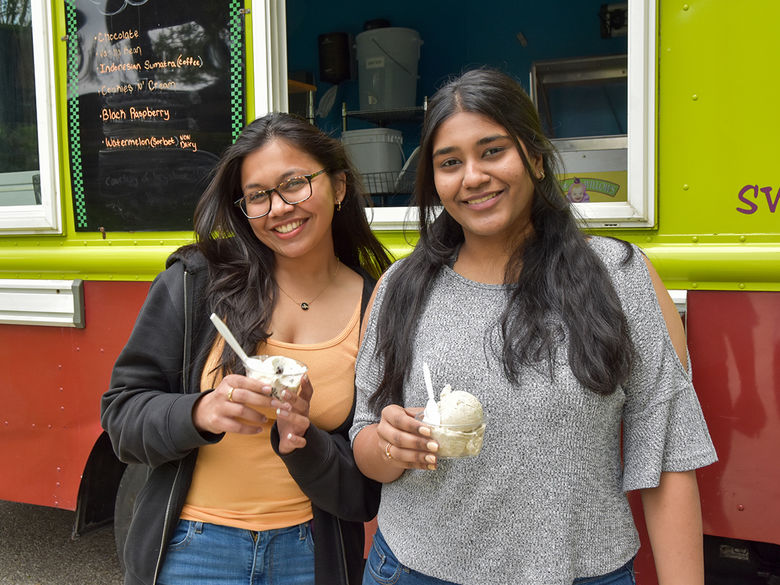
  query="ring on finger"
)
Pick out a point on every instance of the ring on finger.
point(387, 451)
point(230, 393)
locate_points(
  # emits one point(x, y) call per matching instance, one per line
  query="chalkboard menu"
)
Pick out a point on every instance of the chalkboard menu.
point(155, 94)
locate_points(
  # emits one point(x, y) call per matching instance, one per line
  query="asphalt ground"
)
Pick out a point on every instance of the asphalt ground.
point(36, 548)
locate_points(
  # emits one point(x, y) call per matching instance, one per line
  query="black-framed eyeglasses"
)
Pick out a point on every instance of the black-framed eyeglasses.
point(292, 191)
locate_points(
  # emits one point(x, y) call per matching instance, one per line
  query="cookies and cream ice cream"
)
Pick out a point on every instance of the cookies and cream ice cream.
point(461, 425)
point(279, 372)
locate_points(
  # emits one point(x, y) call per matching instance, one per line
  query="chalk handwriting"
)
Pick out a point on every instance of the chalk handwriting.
point(105, 37)
point(157, 85)
point(178, 63)
point(187, 143)
point(121, 88)
point(146, 113)
point(182, 141)
point(140, 142)
point(114, 67)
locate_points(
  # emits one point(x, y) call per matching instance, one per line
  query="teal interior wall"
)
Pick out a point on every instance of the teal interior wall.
point(457, 35)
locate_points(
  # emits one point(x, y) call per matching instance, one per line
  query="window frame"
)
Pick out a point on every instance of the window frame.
point(269, 54)
point(46, 217)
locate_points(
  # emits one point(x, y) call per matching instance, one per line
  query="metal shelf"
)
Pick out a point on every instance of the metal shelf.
point(383, 117)
point(389, 182)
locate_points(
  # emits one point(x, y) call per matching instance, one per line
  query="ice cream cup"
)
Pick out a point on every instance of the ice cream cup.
point(456, 440)
point(279, 372)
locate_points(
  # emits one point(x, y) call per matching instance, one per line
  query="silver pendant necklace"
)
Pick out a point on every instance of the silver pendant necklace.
point(304, 305)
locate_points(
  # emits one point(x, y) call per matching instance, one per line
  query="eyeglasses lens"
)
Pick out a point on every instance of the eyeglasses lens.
point(293, 191)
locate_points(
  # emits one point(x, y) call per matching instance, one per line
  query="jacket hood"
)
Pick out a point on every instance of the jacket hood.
point(189, 255)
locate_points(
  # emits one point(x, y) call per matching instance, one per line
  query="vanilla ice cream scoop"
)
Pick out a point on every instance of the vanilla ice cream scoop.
point(461, 425)
point(458, 407)
point(279, 372)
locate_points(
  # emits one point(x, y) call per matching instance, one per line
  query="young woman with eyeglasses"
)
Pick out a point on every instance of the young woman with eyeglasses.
point(244, 487)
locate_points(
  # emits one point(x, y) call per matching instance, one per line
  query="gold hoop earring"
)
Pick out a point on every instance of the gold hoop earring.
point(541, 175)
point(338, 205)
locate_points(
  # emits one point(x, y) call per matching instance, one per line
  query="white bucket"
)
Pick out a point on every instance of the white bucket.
point(377, 153)
point(387, 68)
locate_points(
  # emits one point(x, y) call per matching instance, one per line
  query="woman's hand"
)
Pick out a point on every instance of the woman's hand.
point(404, 441)
point(292, 417)
point(230, 407)
point(398, 442)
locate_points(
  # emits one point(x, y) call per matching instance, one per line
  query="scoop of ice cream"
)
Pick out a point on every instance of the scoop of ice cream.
point(461, 427)
point(461, 408)
point(260, 369)
point(279, 372)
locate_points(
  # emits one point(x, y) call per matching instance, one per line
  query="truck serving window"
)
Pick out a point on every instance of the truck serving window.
point(597, 57)
point(599, 112)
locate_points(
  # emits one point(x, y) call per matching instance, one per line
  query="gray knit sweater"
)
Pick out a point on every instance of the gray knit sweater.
point(544, 502)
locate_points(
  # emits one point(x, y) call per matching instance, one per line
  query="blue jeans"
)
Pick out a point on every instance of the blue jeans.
point(382, 568)
point(200, 553)
point(622, 576)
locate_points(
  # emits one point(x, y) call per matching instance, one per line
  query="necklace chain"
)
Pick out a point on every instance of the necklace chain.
point(305, 305)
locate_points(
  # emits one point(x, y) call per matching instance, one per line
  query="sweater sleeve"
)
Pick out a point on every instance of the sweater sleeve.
point(146, 411)
point(663, 425)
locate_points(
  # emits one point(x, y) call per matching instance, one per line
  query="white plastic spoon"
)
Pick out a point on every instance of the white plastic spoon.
point(249, 363)
point(232, 342)
point(431, 412)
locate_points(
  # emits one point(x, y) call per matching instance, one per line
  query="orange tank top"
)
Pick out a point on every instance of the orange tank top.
point(240, 481)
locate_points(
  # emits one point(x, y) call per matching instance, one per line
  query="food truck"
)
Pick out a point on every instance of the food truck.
point(113, 113)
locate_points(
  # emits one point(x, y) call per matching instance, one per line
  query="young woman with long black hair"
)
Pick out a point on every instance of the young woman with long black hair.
point(566, 339)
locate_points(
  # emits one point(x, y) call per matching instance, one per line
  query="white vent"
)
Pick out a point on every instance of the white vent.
point(57, 303)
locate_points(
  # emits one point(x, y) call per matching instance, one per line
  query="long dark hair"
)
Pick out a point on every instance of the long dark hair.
point(241, 286)
point(553, 271)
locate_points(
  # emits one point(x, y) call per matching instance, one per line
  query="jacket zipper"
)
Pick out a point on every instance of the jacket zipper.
point(184, 370)
point(165, 525)
point(343, 553)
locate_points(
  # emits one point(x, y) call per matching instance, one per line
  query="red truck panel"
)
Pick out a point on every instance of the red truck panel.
point(734, 339)
point(52, 381)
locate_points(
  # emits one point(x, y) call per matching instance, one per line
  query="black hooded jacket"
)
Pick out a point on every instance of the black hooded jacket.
point(147, 413)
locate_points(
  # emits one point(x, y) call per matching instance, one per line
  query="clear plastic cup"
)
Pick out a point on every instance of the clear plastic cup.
point(280, 373)
point(457, 440)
